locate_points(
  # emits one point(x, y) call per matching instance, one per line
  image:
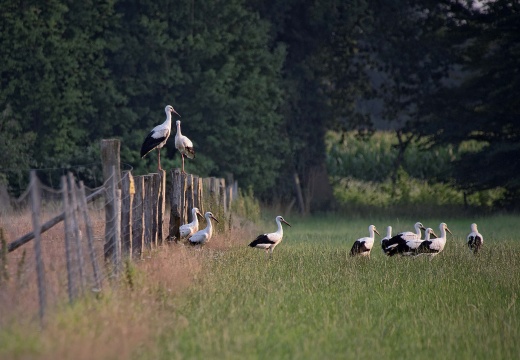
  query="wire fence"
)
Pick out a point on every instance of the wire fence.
point(73, 241)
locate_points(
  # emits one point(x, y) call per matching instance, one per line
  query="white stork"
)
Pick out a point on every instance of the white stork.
point(187, 230)
point(384, 241)
point(404, 236)
point(435, 246)
point(269, 241)
point(364, 245)
point(183, 144)
point(475, 239)
point(157, 138)
point(409, 247)
point(203, 236)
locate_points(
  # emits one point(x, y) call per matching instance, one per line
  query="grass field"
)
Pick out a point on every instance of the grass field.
point(310, 300)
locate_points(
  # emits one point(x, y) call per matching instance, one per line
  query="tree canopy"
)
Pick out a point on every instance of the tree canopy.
point(258, 83)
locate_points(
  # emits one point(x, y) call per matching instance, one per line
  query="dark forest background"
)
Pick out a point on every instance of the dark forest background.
point(259, 84)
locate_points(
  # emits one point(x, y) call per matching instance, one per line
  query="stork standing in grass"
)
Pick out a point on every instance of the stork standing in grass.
point(187, 230)
point(409, 247)
point(364, 245)
point(404, 236)
point(435, 246)
point(183, 144)
point(475, 239)
point(384, 241)
point(269, 241)
point(157, 138)
point(201, 237)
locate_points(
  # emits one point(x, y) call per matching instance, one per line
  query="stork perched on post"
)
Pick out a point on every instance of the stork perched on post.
point(183, 144)
point(187, 230)
point(157, 138)
point(404, 236)
point(475, 239)
point(363, 246)
point(269, 241)
point(201, 237)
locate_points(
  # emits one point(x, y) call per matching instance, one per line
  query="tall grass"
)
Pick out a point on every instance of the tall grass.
point(312, 300)
point(309, 300)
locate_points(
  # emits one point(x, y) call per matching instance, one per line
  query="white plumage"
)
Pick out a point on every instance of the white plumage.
point(364, 245)
point(269, 241)
point(187, 230)
point(403, 236)
point(203, 236)
point(384, 241)
point(435, 246)
point(475, 239)
point(183, 144)
point(157, 138)
point(409, 247)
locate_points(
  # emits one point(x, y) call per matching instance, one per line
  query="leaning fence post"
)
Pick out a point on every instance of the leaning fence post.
point(138, 219)
point(35, 199)
point(76, 231)
point(197, 193)
point(90, 236)
point(127, 198)
point(71, 288)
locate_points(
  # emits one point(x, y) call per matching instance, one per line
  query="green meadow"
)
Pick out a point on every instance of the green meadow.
point(312, 300)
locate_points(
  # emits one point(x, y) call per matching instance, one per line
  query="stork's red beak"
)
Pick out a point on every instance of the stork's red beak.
point(173, 110)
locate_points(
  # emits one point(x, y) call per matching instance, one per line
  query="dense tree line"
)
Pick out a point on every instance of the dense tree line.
point(258, 83)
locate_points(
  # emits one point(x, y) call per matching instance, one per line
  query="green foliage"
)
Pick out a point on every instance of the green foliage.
point(246, 205)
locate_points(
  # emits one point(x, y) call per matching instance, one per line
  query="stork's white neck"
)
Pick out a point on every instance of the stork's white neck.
point(280, 228)
point(209, 227)
point(178, 124)
point(389, 232)
point(194, 216)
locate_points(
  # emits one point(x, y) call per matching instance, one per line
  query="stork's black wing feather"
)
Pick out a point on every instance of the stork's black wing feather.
point(261, 239)
point(150, 143)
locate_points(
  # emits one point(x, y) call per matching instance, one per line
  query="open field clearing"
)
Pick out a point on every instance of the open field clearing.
point(310, 300)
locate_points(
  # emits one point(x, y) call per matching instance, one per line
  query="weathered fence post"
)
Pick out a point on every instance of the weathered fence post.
point(71, 288)
point(222, 195)
point(161, 206)
point(190, 201)
point(40, 270)
point(76, 231)
point(127, 198)
point(177, 204)
point(197, 189)
point(138, 219)
point(148, 211)
point(213, 194)
point(156, 195)
point(90, 236)
point(110, 150)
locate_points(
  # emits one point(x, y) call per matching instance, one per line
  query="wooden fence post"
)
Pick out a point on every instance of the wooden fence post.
point(177, 204)
point(71, 288)
point(197, 189)
point(161, 206)
point(148, 211)
point(138, 219)
point(156, 195)
point(90, 236)
point(222, 195)
point(127, 198)
point(190, 201)
point(40, 270)
point(76, 232)
point(110, 151)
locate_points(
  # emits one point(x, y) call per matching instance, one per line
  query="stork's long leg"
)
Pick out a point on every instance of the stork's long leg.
point(182, 155)
point(159, 158)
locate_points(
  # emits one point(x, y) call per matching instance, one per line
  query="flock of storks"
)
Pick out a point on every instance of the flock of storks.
point(406, 243)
